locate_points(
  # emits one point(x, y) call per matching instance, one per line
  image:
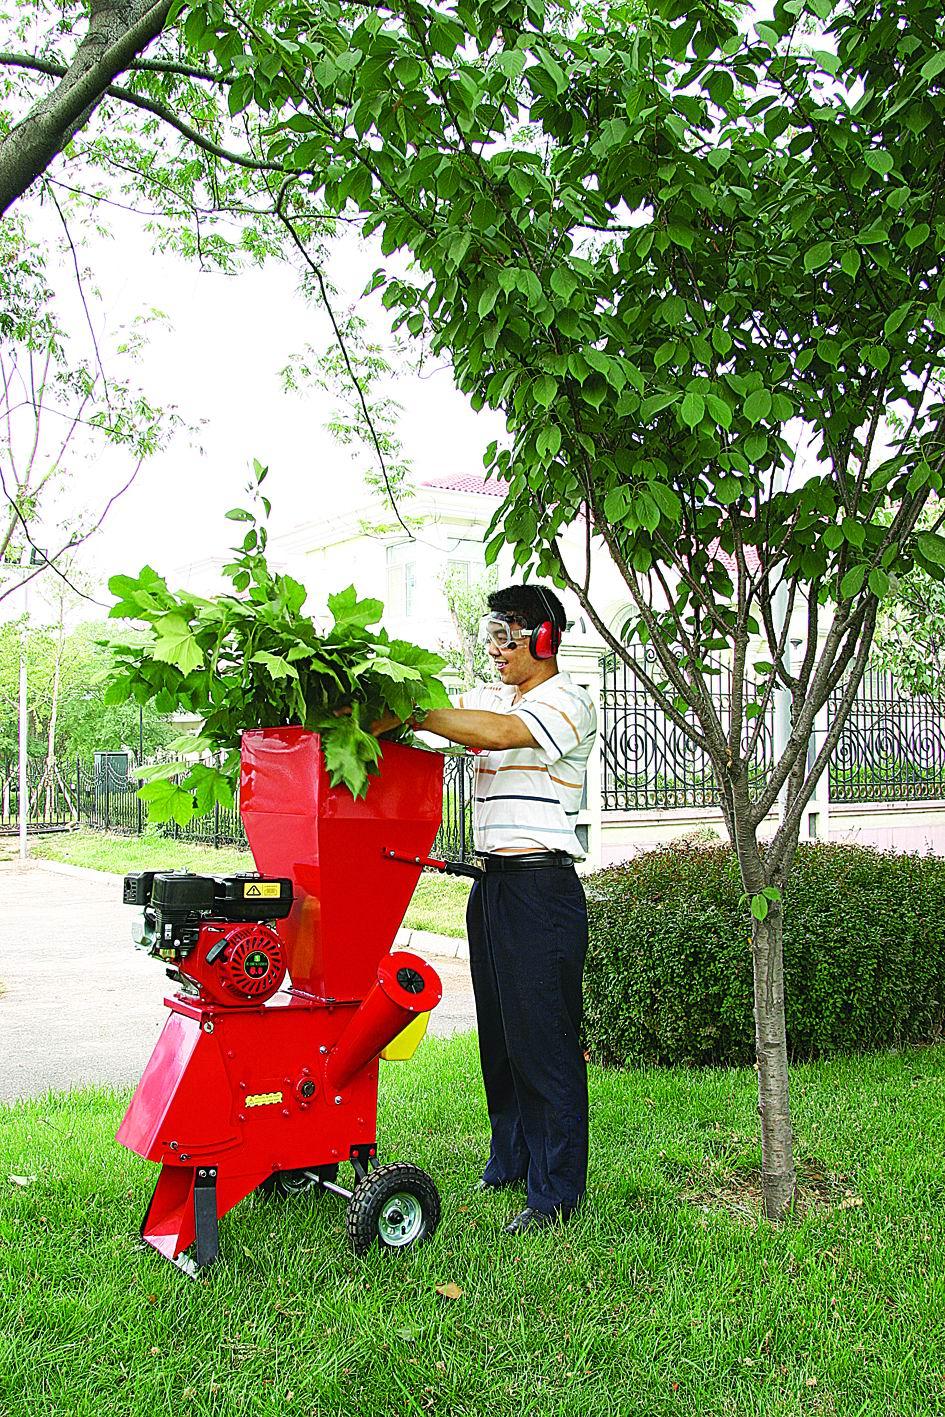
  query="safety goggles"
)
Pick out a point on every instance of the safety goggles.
point(495, 630)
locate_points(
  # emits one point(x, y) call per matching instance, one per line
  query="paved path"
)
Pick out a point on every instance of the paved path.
point(79, 1004)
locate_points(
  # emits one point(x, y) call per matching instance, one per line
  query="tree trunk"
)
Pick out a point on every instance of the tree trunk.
point(778, 1177)
point(118, 31)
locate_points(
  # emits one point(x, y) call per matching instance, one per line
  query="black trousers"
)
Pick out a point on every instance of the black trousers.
point(527, 942)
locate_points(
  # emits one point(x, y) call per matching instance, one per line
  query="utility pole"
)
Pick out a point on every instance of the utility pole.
point(24, 792)
point(27, 570)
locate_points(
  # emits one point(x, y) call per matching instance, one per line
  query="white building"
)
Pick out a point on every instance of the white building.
point(448, 518)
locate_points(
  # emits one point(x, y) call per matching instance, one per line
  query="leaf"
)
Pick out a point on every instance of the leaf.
point(932, 547)
point(914, 238)
point(544, 390)
point(817, 256)
point(666, 499)
point(616, 503)
point(693, 410)
point(721, 341)
point(167, 801)
point(879, 160)
point(450, 1290)
point(487, 300)
point(563, 282)
point(655, 404)
point(278, 667)
point(548, 441)
point(759, 906)
point(176, 644)
point(391, 669)
point(719, 410)
point(758, 405)
point(933, 67)
point(878, 582)
point(851, 261)
point(349, 612)
point(348, 752)
point(852, 582)
point(896, 320)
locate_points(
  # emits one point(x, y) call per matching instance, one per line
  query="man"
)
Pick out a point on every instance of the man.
point(527, 917)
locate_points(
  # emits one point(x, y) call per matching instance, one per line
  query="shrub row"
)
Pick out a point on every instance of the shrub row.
point(668, 977)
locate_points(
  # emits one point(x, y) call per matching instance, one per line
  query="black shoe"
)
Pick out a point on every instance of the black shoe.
point(529, 1219)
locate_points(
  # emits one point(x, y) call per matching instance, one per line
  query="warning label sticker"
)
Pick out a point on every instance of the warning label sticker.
point(262, 890)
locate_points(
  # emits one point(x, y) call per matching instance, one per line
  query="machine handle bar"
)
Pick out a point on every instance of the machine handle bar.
point(449, 868)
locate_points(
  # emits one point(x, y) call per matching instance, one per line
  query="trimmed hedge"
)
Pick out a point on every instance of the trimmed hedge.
point(668, 976)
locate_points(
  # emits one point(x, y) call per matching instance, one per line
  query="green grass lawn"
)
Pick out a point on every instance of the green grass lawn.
point(666, 1295)
point(439, 902)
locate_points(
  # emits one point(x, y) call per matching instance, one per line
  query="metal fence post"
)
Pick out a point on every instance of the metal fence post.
point(463, 855)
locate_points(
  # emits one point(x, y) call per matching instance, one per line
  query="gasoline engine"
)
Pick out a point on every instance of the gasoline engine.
point(212, 931)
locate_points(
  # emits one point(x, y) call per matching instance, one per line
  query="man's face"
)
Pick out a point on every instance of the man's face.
point(512, 663)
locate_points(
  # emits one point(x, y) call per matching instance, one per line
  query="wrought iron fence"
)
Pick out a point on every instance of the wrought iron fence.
point(454, 840)
point(892, 747)
point(52, 803)
point(102, 795)
point(647, 760)
point(108, 801)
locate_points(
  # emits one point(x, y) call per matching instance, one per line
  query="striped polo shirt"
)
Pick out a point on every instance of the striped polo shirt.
point(528, 799)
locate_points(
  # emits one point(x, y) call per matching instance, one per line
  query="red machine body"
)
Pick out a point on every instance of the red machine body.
point(249, 1079)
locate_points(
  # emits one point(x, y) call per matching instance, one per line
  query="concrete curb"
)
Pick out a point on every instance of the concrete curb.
point(422, 941)
point(425, 942)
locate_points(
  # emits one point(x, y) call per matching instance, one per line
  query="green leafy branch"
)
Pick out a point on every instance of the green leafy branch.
point(252, 659)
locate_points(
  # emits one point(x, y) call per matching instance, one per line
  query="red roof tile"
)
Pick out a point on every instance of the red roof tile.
point(467, 482)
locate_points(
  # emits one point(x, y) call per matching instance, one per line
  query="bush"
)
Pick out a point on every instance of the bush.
point(669, 978)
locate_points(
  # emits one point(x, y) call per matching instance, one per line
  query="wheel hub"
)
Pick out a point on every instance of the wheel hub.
point(401, 1220)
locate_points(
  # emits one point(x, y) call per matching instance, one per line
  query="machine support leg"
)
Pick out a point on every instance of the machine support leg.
point(364, 1159)
point(207, 1243)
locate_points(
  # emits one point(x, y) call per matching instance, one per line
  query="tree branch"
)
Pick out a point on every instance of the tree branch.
point(118, 31)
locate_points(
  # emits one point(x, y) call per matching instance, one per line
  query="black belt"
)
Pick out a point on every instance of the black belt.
point(526, 861)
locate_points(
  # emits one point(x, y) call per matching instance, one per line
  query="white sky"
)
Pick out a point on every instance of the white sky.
point(218, 361)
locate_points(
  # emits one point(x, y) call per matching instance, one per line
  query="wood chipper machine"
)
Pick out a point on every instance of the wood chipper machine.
point(265, 1074)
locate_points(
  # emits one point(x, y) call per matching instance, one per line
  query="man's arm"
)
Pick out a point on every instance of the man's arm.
point(475, 728)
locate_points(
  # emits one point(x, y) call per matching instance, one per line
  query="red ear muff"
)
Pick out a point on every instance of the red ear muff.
point(545, 642)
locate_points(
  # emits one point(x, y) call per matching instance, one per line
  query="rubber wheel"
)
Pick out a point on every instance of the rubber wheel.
point(394, 1207)
point(283, 1185)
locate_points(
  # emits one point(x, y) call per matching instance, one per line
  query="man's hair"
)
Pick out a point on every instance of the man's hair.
point(528, 605)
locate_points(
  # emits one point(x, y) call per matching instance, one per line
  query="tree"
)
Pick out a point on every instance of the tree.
point(57, 414)
point(84, 724)
point(466, 601)
point(696, 267)
point(910, 630)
